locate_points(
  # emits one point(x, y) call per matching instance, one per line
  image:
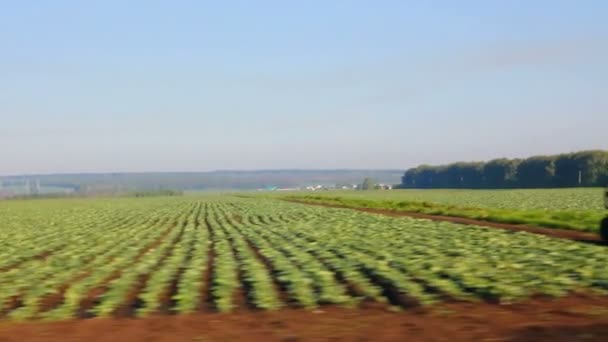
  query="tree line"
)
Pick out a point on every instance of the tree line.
point(578, 169)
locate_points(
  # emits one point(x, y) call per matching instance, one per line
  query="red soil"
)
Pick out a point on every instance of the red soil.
point(573, 318)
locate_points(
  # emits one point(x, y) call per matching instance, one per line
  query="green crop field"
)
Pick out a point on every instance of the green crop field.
point(135, 257)
point(581, 199)
point(578, 209)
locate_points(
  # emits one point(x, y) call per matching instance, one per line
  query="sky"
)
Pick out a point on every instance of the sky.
point(130, 86)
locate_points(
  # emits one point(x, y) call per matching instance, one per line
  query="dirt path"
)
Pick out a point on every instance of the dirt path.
point(553, 232)
point(575, 318)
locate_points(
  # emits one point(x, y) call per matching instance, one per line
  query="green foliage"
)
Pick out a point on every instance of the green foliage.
point(500, 173)
point(576, 209)
point(586, 168)
point(151, 254)
point(536, 172)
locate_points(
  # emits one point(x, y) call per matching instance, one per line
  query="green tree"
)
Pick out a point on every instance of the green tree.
point(425, 176)
point(536, 172)
point(409, 178)
point(500, 173)
point(586, 168)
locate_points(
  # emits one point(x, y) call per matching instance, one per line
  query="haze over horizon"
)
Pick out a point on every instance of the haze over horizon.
point(109, 86)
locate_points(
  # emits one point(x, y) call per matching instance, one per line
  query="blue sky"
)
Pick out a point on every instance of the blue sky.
point(95, 86)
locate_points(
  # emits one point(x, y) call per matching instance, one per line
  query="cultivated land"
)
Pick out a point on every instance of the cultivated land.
point(577, 209)
point(585, 199)
point(224, 267)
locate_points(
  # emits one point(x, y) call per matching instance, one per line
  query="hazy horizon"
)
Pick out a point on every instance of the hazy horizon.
point(103, 172)
point(188, 86)
point(194, 172)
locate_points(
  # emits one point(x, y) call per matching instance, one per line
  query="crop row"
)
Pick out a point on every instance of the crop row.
point(230, 253)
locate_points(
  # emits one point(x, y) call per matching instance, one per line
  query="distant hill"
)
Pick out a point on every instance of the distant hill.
point(213, 180)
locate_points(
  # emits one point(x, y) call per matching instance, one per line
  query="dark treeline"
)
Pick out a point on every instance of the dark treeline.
point(579, 169)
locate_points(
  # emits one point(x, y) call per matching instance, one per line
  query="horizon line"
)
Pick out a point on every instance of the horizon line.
point(193, 172)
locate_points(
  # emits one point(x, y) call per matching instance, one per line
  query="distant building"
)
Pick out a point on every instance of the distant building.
point(382, 186)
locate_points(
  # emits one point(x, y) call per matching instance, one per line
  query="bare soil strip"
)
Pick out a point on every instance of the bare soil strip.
point(552, 232)
point(574, 318)
point(207, 303)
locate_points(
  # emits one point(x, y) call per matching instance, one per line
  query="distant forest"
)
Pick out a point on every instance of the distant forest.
point(579, 169)
point(192, 181)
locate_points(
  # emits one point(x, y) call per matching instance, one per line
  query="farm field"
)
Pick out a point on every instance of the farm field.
point(118, 258)
point(577, 209)
point(583, 199)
